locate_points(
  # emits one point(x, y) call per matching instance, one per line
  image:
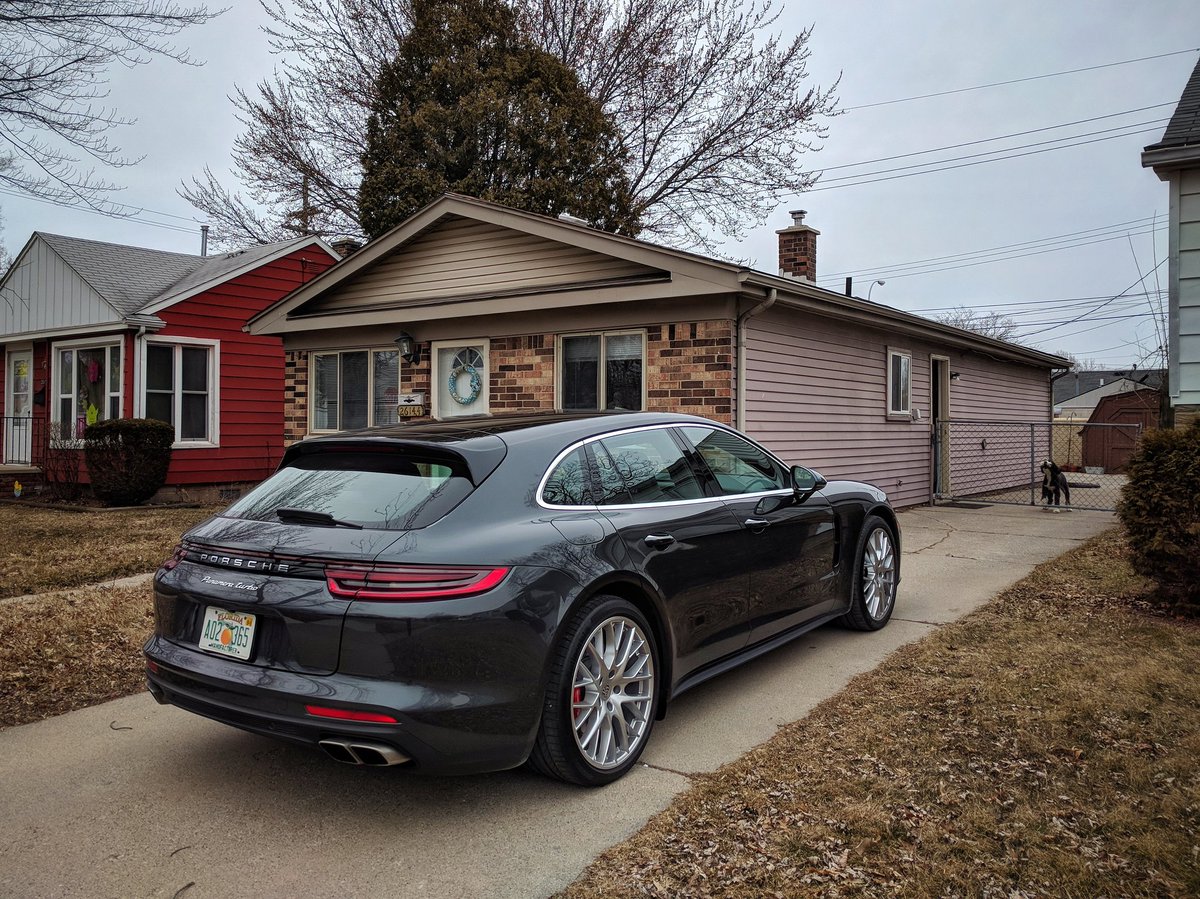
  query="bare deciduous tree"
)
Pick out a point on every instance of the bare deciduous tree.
point(989, 324)
point(711, 106)
point(54, 58)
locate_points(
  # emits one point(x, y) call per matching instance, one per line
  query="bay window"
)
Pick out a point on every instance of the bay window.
point(354, 389)
point(87, 379)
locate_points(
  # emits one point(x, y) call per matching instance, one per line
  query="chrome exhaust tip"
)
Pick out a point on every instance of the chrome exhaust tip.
point(357, 752)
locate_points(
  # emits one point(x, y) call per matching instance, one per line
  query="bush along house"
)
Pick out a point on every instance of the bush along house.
point(495, 310)
point(93, 331)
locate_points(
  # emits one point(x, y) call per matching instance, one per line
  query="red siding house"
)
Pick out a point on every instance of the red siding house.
point(92, 331)
point(513, 311)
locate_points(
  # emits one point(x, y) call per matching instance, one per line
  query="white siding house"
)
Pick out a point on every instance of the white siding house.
point(1176, 160)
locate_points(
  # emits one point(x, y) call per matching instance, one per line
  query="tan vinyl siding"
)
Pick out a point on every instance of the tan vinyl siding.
point(43, 293)
point(817, 396)
point(465, 258)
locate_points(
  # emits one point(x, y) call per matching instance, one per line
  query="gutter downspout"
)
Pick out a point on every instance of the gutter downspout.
point(766, 304)
point(135, 365)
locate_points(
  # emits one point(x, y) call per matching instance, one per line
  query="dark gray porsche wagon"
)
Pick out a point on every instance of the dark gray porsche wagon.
point(469, 596)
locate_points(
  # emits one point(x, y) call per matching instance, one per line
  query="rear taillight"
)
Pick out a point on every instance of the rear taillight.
point(404, 582)
point(321, 711)
point(176, 557)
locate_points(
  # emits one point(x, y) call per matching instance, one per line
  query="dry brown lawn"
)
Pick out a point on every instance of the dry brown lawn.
point(51, 549)
point(1046, 745)
point(60, 652)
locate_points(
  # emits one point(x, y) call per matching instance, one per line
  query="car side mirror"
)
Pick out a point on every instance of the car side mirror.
point(806, 482)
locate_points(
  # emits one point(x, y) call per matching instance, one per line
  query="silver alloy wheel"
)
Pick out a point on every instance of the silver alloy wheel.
point(879, 573)
point(612, 692)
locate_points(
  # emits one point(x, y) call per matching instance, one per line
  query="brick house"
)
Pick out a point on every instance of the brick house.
point(507, 310)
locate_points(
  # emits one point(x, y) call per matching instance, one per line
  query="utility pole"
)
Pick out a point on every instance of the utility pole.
point(303, 216)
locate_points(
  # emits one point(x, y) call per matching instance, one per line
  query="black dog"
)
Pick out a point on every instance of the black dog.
point(1054, 484)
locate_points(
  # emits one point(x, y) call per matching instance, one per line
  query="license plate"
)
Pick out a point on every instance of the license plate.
point(227, 633)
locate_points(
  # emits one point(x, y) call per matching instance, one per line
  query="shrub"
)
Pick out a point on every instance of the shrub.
point(60, 466)
point(127, 458)
point(1160, 508)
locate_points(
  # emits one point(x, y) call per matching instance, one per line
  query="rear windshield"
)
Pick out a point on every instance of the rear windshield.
point(374, 490)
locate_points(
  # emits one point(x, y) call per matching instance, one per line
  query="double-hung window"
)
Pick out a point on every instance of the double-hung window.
point(354, 389)
point(899, 384)
point(180, 389)
point(602, 371)
point(87, 382)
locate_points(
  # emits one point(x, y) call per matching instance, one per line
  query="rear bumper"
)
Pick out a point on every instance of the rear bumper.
point(438, 737)
point(464, 679)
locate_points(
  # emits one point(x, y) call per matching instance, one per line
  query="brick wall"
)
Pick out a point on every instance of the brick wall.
point(689, 368)
point(295, 396)
point(522, 373)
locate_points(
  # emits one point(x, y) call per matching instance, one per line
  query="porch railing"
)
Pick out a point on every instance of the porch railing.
point(22, 440)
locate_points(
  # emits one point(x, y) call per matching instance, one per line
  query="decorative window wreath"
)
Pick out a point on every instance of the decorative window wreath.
point(476, 384)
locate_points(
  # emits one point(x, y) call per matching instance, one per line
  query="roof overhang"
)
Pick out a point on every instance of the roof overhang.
point(168, 299)
point(714, 275)
point(1165, 160)
point(798, 294)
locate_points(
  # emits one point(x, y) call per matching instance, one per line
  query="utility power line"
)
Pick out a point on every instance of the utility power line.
point(979, 87)
point(962, 165)
point(986, 140)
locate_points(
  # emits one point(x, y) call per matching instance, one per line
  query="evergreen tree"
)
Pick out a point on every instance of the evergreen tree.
point(469, 105)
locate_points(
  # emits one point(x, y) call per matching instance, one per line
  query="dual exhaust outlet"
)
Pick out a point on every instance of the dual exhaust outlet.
point(356, 752)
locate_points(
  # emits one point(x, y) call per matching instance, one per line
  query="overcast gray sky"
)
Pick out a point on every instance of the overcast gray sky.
point(1091, 196)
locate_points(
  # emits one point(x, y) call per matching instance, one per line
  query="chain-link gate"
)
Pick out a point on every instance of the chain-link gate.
point(1001, 462)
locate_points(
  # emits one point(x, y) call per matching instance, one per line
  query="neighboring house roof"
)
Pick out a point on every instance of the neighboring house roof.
point(650, 265)
point(1078, 383)
point(1087, 401)
point(108, 267)
point(137, 282)
point(1181, 140)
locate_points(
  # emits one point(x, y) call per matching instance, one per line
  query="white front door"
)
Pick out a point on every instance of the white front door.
point(18, 408)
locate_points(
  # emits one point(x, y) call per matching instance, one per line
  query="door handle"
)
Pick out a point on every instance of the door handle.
point(658, 541)
point(757, 525)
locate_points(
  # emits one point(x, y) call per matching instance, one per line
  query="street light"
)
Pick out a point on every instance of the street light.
point(872, 287)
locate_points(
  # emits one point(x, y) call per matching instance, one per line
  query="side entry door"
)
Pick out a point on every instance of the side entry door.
point(790, 544)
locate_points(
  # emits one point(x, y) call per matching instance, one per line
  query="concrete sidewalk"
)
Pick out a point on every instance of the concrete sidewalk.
point(132, 799)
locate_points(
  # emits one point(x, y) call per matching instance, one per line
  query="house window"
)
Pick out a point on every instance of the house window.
point(180, 389)
point(354, 389)
point(602, 371)
point(460, 378)
point(88, 380)
point(899, 384)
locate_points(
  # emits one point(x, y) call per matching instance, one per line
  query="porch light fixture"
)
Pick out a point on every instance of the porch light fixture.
point(955, 376)
point(409, 351)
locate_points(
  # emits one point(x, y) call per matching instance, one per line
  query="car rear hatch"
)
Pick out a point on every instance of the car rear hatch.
point(268, 582)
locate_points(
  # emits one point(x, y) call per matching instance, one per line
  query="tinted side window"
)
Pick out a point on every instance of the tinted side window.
point(609, 481)
point(652, 467)
point(738, 465)
point(569, 484)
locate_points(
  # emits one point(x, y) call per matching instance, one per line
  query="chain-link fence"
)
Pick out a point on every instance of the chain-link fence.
point(1002, 462)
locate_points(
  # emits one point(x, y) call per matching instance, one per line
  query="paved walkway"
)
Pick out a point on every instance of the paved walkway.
point(133, 799)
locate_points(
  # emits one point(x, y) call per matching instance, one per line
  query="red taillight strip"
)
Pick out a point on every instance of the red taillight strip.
point(412, 582)
point(321, 711)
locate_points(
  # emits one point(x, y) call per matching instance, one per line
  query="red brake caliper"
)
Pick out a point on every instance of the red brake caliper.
point(576, 697)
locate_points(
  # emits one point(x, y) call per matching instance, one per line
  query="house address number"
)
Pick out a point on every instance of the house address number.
point(410, 405)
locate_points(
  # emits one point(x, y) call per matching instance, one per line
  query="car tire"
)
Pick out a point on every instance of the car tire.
point(873, 584)
point(601, 695)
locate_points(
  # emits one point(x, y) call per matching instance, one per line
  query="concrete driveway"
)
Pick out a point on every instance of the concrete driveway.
point(133, 799)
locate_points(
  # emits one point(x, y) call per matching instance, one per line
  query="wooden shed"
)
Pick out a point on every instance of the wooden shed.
point(1111, 448)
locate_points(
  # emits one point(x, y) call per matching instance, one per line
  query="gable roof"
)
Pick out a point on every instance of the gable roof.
point(1181, 139)
point(130, 284)
point(664, 267)
point(1078, 383)
point(108, 267)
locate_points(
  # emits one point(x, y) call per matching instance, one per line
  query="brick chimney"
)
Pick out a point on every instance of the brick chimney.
point(798, 248)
